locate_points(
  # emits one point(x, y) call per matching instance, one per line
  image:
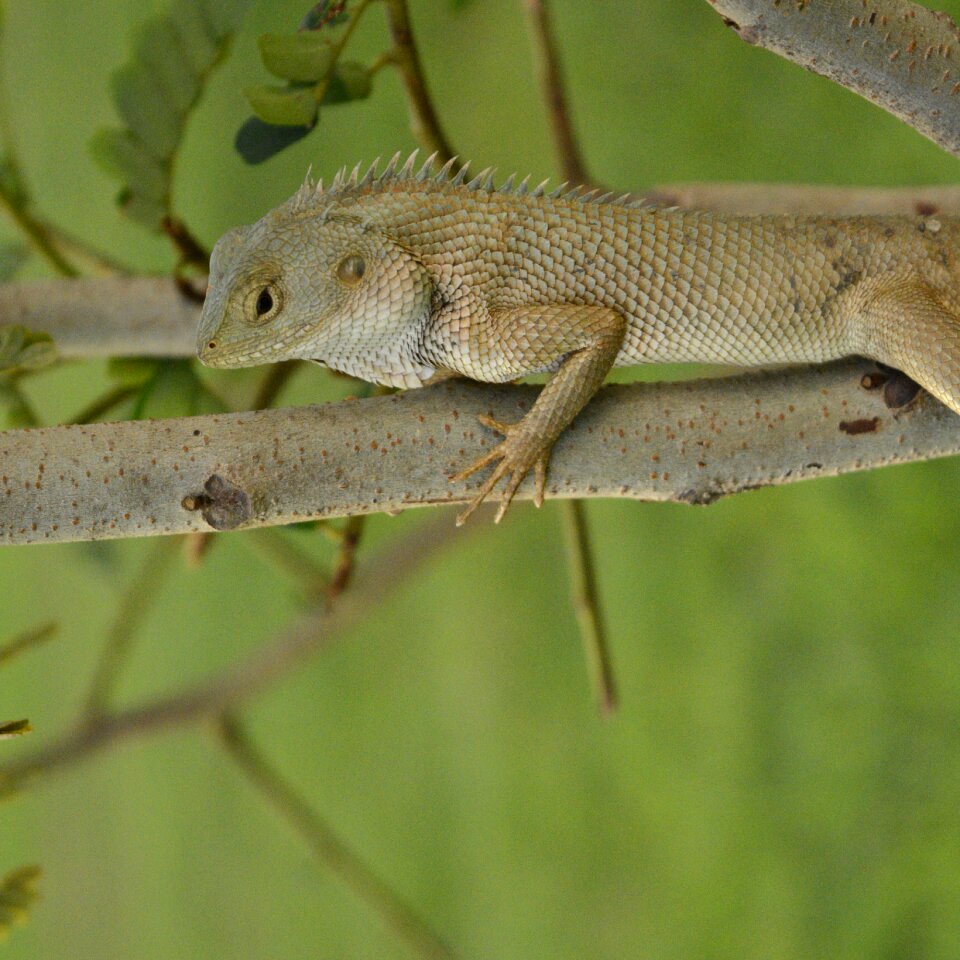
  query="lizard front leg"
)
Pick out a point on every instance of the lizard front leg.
point(585, 339)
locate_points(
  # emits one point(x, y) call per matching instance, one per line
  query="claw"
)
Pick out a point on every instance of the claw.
point(479, 464)
point(498, 425)
point(507, 466)
point(539, 481)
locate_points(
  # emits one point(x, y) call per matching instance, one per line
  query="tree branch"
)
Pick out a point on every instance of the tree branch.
point(424, 121)
point(236, 685)
point(750, 199)
point(329, 848)
point(150, 316)
point(106, 316)
point(690, 442)
point(900, 55)
point(554, 95)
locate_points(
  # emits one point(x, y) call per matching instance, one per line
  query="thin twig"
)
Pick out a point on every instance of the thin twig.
point(196, 546)
point(259, 671)
point(586, 605)
point(343, 568)
point(553, 91)
point(329, 848)
point(191, 251)
point(14, 199)
point(104, 404)
point(140, 595)
point(27, 640)
point(273, 383)
point(36, 233)
point(292, 560)
point(424, 122)
point(572, 169)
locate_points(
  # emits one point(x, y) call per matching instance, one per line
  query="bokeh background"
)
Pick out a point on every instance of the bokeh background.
point(782, 780)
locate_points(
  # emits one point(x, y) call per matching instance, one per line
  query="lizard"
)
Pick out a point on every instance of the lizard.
point(410, 274)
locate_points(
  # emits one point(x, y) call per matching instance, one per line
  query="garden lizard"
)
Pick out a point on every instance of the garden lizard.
point(407, 275)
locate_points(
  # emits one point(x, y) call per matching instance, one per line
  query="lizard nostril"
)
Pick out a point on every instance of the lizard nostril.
point(212, 345)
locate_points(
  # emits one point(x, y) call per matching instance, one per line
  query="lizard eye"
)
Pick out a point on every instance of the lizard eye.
point(351, 269)
point(265, 303)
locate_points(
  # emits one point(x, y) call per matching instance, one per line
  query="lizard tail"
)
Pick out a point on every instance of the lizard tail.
point(907, 324)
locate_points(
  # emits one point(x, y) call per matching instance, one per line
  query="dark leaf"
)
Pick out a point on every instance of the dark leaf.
point(257, 141)
point(14, 728)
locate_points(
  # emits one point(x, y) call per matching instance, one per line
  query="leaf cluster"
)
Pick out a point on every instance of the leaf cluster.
point(154, 93)
point(310, 62)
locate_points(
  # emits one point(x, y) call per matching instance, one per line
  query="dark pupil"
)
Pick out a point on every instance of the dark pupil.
point(264, 302)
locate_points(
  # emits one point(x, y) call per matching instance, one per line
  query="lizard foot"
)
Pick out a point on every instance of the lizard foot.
point(517, 456)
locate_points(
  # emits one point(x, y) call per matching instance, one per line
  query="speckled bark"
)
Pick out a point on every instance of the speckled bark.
point(900, 55)
point(688, 442)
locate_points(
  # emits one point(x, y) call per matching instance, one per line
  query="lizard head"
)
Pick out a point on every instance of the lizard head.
point(317, 286)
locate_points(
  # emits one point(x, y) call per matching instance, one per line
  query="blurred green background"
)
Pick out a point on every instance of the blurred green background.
point(783, 778)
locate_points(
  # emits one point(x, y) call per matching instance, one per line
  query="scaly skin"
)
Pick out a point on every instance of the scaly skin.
point(408, 276)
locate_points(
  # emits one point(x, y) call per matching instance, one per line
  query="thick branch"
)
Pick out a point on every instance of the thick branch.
point(106, 317)
point(748, 199)
point(150, 316)
point(900, 55)
point(690, 442)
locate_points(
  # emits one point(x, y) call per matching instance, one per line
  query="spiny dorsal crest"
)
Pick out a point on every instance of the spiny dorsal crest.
point(355, 184)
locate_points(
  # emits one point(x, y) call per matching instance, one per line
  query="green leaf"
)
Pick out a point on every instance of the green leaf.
point(154, 93)
point(284, 106)
point(350, 81)
point(18, 891)
point(14, 728)
point(303, 57)
point(22, 349)
point(123, 156)
point(223, 17)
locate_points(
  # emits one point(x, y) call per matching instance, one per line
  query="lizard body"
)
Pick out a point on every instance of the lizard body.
point(407, 276)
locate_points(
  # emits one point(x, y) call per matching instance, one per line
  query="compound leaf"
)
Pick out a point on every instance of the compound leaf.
point(154, 93)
